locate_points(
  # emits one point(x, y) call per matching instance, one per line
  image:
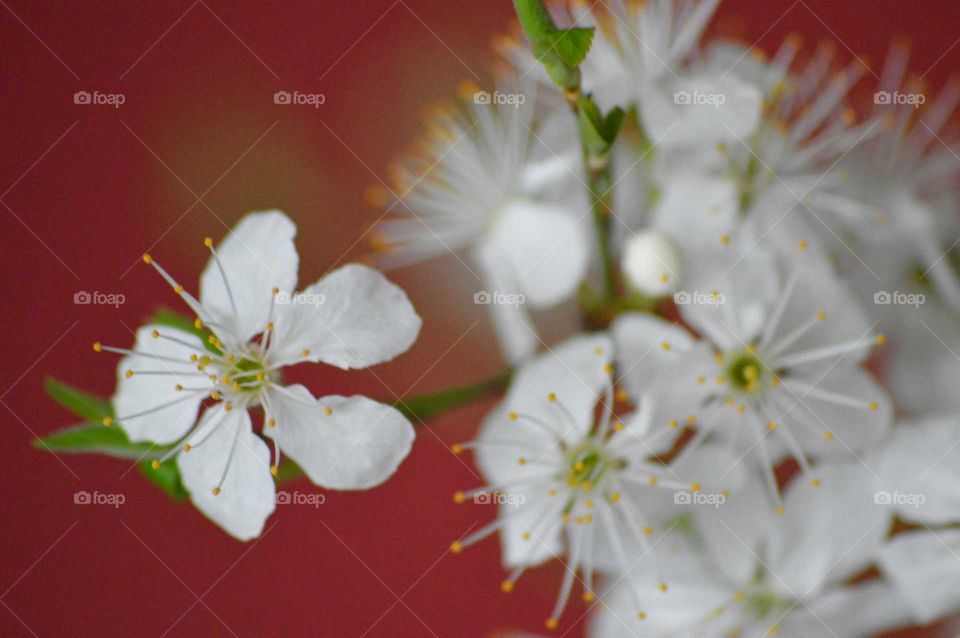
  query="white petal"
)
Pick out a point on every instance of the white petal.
point(920, 470)
point(352, 318)
point(545, 532)
point(827, 533)
point(545, 246)
point(575, 372)
point(515, 329)
point(696, 210)
point(357, 445)
point(142, 392)
point(925, 568)
point(878, 606)
point(246, 497)
point(257, 256)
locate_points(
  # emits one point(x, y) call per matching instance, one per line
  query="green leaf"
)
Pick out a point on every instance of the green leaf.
point(94, 438)
point(166, 477)
point(83, 404)
point(427, 406)
point(564, 46)
point(598, 132)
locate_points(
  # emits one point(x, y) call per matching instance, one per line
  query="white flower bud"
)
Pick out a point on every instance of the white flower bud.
point(651, 263)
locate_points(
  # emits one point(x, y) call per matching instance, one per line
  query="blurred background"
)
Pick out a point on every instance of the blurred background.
point(197, 142)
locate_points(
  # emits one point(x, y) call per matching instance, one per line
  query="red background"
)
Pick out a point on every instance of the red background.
point(88, 189)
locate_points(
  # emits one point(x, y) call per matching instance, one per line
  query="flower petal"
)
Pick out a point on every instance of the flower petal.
point(257, 256)
point(225, 441)
point(517, 334)
point(352, 318)
point(925, 568)
point(341, 443)
point(545, 246)
point(142, 392)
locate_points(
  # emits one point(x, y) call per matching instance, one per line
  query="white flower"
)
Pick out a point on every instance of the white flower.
point(491, 181)
point(255, 326)
point(777, 368)
point(569, 483)
point(735, 570)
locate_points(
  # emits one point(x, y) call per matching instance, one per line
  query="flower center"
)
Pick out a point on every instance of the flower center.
point(588, 464)
point(745, 371)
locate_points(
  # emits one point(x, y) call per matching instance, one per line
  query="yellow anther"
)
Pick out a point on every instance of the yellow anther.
point(588, 597)
point(652, 480)
point(701, 379)
point(270, 327)
point(275, 291)
point(506, 587)
point(772, 426)
point(551, 623)
point(741, 409)
point(552, 397)
point(872, 405)
point(691, 419)
point(178, 289)
point(215, 395)
point(456, 448)
point(815, 482)
point(328, 410)
point(513, 416)
point(828, 436)
point(198, 324)
point(614, 497)
point(526, 536)
point(155, 464)
point(664, 278)
point(459, 498)
point(236, 385)
point(155, 334)
point(725, 239)
point(618, 426)
point(178, 388)
point(821, 316)
point(674, 424)
point(641, 615)
point(775, 381)
point(779, 510)
point(608, 368)
point(621, 395)
point(552, 492)
point(721, 379)
point(598, 350)
point(106, 421)
point(694, 487)
point(522, 461)
point(586, 486)
point(186, 447)
point(97, 347)
point(305, 352)
point(227, 406)
point(147, 259)
point(274, 470)
point(665, 345)
point(208, 242)
point(128, 373)
point(663, 587)
point(194, 358)
point(881, 339)
point(261, 376)
point(718, 357)
point(272, 423)
point(802, 244)
point(456, 547)
point(215, 491)
point(578, 466)
point(648, 530)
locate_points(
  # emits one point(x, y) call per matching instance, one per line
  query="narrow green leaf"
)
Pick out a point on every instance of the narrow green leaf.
point(93, 438)
point(570, 46)
point(81, 403)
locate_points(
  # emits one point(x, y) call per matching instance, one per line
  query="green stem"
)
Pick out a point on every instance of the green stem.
point(599, 183)
point(427, 406)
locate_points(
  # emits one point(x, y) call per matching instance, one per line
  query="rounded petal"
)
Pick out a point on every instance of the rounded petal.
point(225, 441)
point(341, 443)
point(141, 392)
point(545, 246)
point(257, 256)
point(920, 471)
point(925, 570)
point(527, 518)
point(562, 385)
point(352, 318)
point(879, 607)
point(827, 533)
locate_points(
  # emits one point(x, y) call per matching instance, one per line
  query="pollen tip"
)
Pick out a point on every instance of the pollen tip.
point(588, 597)
point(147, 259)
point(107, 421)
point(128, 373)
point(155, 464)
point(456, 448)
point(821, 316)
point(873, 406)
point(97, 346)
point(551, 623)
point(663, 587)
point(815, 482)
point(208, 242)
point(694, 487)
point(456, 547)
point(215, 491)
point(186, 447)
point(506, 587)
point(459, 497)
point(641, 615)
point(328, 410)
point(552, 396)
point(881, 339)
point(274, 470)
point(513, 416)
point(272, 423)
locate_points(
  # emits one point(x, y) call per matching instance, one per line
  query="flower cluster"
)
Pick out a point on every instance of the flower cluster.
point(726, 453)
